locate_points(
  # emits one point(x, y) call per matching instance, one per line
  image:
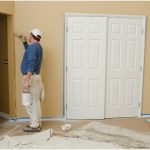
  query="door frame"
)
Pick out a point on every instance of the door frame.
point(65, 54)
point(11, 66)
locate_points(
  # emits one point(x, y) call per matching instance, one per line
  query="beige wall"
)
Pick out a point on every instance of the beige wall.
point(49, 17)
point(7, 8)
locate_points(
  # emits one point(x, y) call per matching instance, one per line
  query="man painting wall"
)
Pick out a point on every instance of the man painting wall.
point(32, 82)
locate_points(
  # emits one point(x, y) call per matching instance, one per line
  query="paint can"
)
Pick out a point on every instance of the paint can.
point(26, 98)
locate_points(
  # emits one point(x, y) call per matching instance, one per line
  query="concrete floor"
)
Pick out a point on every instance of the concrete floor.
point(16, 128)
point(102, 136)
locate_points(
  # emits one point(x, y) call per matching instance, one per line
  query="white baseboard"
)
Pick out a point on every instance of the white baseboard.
point(61, 118)
point(23, 119)
point(4, 115)
point(145, 115)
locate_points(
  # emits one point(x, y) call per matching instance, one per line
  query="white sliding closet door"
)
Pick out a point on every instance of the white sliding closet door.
point(104, 66)
point(124, 55)
point(86, 60)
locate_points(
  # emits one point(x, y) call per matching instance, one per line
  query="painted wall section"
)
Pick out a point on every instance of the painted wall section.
point(7, 8)
point(49, 17)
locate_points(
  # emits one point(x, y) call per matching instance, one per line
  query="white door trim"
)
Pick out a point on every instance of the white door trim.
point(65, 53)
point(142, 65)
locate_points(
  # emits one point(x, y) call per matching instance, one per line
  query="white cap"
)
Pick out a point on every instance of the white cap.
point(37, 33)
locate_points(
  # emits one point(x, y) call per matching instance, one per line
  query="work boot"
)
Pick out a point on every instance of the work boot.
point(31, 129)
point(28, 126)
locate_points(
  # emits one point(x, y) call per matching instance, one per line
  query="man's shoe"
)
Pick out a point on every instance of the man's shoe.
point(28, 126)
point(31, 129)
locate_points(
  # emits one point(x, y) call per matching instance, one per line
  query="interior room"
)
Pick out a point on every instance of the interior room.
point(95, 71)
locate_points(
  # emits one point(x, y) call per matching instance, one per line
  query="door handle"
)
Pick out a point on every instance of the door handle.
point(4, 62)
